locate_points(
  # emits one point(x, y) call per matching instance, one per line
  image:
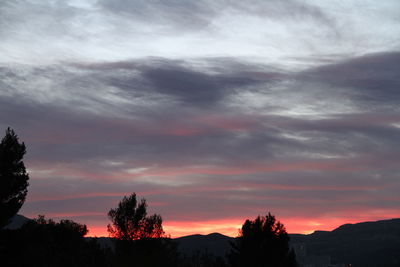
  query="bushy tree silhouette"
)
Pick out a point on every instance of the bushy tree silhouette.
point(13, 176)
point(68, 227)
point(130, 221)
point(263, 242)
point(140, 238)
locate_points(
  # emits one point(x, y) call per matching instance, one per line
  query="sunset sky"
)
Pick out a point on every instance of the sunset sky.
point(214, 111)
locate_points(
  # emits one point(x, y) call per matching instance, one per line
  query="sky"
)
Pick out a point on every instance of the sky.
point(214, 111)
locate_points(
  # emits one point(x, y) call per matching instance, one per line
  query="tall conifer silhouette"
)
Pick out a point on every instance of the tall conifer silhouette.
point(13, 176)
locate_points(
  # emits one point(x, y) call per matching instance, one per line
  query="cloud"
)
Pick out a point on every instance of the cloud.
point(202, 14)
point(143, 103)
point(192, 14)
point(208, 110)
point(279, 32)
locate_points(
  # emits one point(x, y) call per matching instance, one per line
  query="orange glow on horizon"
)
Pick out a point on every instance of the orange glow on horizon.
point(176, 229)
point(184, 228)
point(230, 227)
point(97, 231)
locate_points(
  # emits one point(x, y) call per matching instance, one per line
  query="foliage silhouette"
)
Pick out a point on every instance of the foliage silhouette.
point(130, 221)
point(13, 176)
point(43, 242)
point(263, 242)
point(202, 259)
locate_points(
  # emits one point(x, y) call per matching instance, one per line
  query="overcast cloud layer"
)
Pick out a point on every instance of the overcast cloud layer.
point(213, 111)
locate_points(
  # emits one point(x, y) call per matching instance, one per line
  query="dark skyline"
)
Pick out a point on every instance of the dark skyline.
point(213, 111)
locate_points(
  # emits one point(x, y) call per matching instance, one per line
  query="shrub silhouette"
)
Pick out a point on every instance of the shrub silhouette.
point(262, 242)
point(146, 252)
point(13, 176)
point(43, 242)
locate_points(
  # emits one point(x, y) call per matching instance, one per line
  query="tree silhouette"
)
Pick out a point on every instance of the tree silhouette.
point(130, 221)
point(263, 242)
point(13, 176)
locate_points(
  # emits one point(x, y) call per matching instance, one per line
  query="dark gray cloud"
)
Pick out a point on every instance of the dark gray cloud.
point(375, 78)
point(193, 87)
point(177, 79)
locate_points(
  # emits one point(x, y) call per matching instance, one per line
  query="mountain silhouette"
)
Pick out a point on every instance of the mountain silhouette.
point(367, 244)
point(16, 222)
point(215, 243)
